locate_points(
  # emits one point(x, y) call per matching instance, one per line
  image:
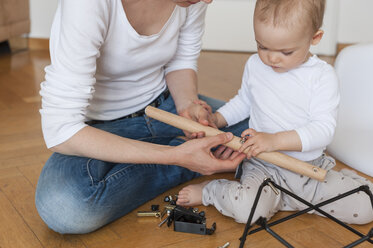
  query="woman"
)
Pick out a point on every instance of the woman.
point(109, 60)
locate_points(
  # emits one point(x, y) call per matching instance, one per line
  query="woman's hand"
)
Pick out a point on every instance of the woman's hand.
point(196, 155)
point(257, 142)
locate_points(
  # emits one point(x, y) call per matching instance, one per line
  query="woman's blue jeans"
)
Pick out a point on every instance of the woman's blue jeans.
point(79, 195)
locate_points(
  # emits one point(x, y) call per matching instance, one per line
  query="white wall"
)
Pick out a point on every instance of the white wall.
point(355, 19)
point(229, 26)
point(41, 12)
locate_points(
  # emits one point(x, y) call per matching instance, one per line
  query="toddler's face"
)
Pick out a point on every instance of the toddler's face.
point(282, 48)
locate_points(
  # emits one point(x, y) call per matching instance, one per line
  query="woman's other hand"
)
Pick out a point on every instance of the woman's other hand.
point(196, 155)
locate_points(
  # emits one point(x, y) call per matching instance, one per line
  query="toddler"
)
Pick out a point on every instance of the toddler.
point(292, 98)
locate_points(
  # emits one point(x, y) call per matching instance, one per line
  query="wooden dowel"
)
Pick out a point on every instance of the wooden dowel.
point(276, 158)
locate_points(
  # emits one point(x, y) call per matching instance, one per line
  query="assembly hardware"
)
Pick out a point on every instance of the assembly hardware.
point(149, 213)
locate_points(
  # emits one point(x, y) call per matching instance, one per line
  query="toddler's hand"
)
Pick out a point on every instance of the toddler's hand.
point(257, 142)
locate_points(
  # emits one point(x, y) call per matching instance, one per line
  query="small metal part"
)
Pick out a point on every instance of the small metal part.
point(169, 219)
point(155, 207)
point(171, 199)
point(163, 221)
point(168, 198)
point(163, 212)
point(315, 169)
point(272, 187)
point(185, 220)
point(225, 246)
point(243, 140)
point(149, 214)
point(170, 207)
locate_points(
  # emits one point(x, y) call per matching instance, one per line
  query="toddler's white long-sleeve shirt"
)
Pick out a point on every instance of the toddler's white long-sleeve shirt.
point(304, 99)
point(102, 69)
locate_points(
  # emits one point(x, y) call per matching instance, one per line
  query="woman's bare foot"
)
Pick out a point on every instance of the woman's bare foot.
point(191, 195)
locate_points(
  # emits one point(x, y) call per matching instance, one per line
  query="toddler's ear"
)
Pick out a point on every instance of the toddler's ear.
point(317, 37)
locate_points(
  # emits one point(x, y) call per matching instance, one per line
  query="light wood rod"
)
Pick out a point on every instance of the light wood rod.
point(276, 158)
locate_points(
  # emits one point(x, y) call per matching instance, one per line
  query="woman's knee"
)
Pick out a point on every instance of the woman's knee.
point(66, 215)
point(65, 208)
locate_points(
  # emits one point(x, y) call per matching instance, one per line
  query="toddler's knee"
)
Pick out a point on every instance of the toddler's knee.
point(362, 211)
point(242, 211)
point(363, 216)
point(242, 217)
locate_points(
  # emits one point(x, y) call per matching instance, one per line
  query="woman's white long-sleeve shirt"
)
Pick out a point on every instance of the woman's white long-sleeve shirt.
point(102, 69)
point(304, 99)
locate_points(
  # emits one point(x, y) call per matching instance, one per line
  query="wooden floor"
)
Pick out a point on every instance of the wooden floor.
point(23, 153)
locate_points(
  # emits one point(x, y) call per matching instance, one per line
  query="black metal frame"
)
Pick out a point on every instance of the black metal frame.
point(266, 226)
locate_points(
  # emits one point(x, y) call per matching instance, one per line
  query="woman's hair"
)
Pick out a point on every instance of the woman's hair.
point(308, 13)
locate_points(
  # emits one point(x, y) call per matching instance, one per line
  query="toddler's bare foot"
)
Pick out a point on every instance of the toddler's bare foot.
point(191, 195)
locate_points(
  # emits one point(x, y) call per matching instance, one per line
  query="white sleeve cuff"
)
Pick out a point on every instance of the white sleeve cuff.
point(302, 132)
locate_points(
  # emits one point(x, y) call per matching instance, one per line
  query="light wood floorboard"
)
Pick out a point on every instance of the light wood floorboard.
point(23, 154)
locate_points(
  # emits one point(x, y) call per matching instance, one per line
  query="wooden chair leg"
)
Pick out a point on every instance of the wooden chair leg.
point(18, 43)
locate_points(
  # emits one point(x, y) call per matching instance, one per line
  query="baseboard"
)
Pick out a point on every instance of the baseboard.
point(43, 44)
point(341, 46)
point(38, 44)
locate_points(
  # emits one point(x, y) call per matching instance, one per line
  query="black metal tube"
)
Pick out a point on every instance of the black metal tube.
point(253, 208)
point(264, 225)
point(316, 207)
point(359, 241)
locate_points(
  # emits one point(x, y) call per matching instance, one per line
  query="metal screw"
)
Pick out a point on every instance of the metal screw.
point(163, 221)
point(225, 246)
point(272, 187)
point(243, 140)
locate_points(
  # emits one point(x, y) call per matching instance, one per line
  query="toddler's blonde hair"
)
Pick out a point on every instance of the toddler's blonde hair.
point(308, 13)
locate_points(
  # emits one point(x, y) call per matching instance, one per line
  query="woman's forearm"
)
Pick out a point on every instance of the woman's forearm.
point(95, 143)
point(194, 155)
point(183, 87)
